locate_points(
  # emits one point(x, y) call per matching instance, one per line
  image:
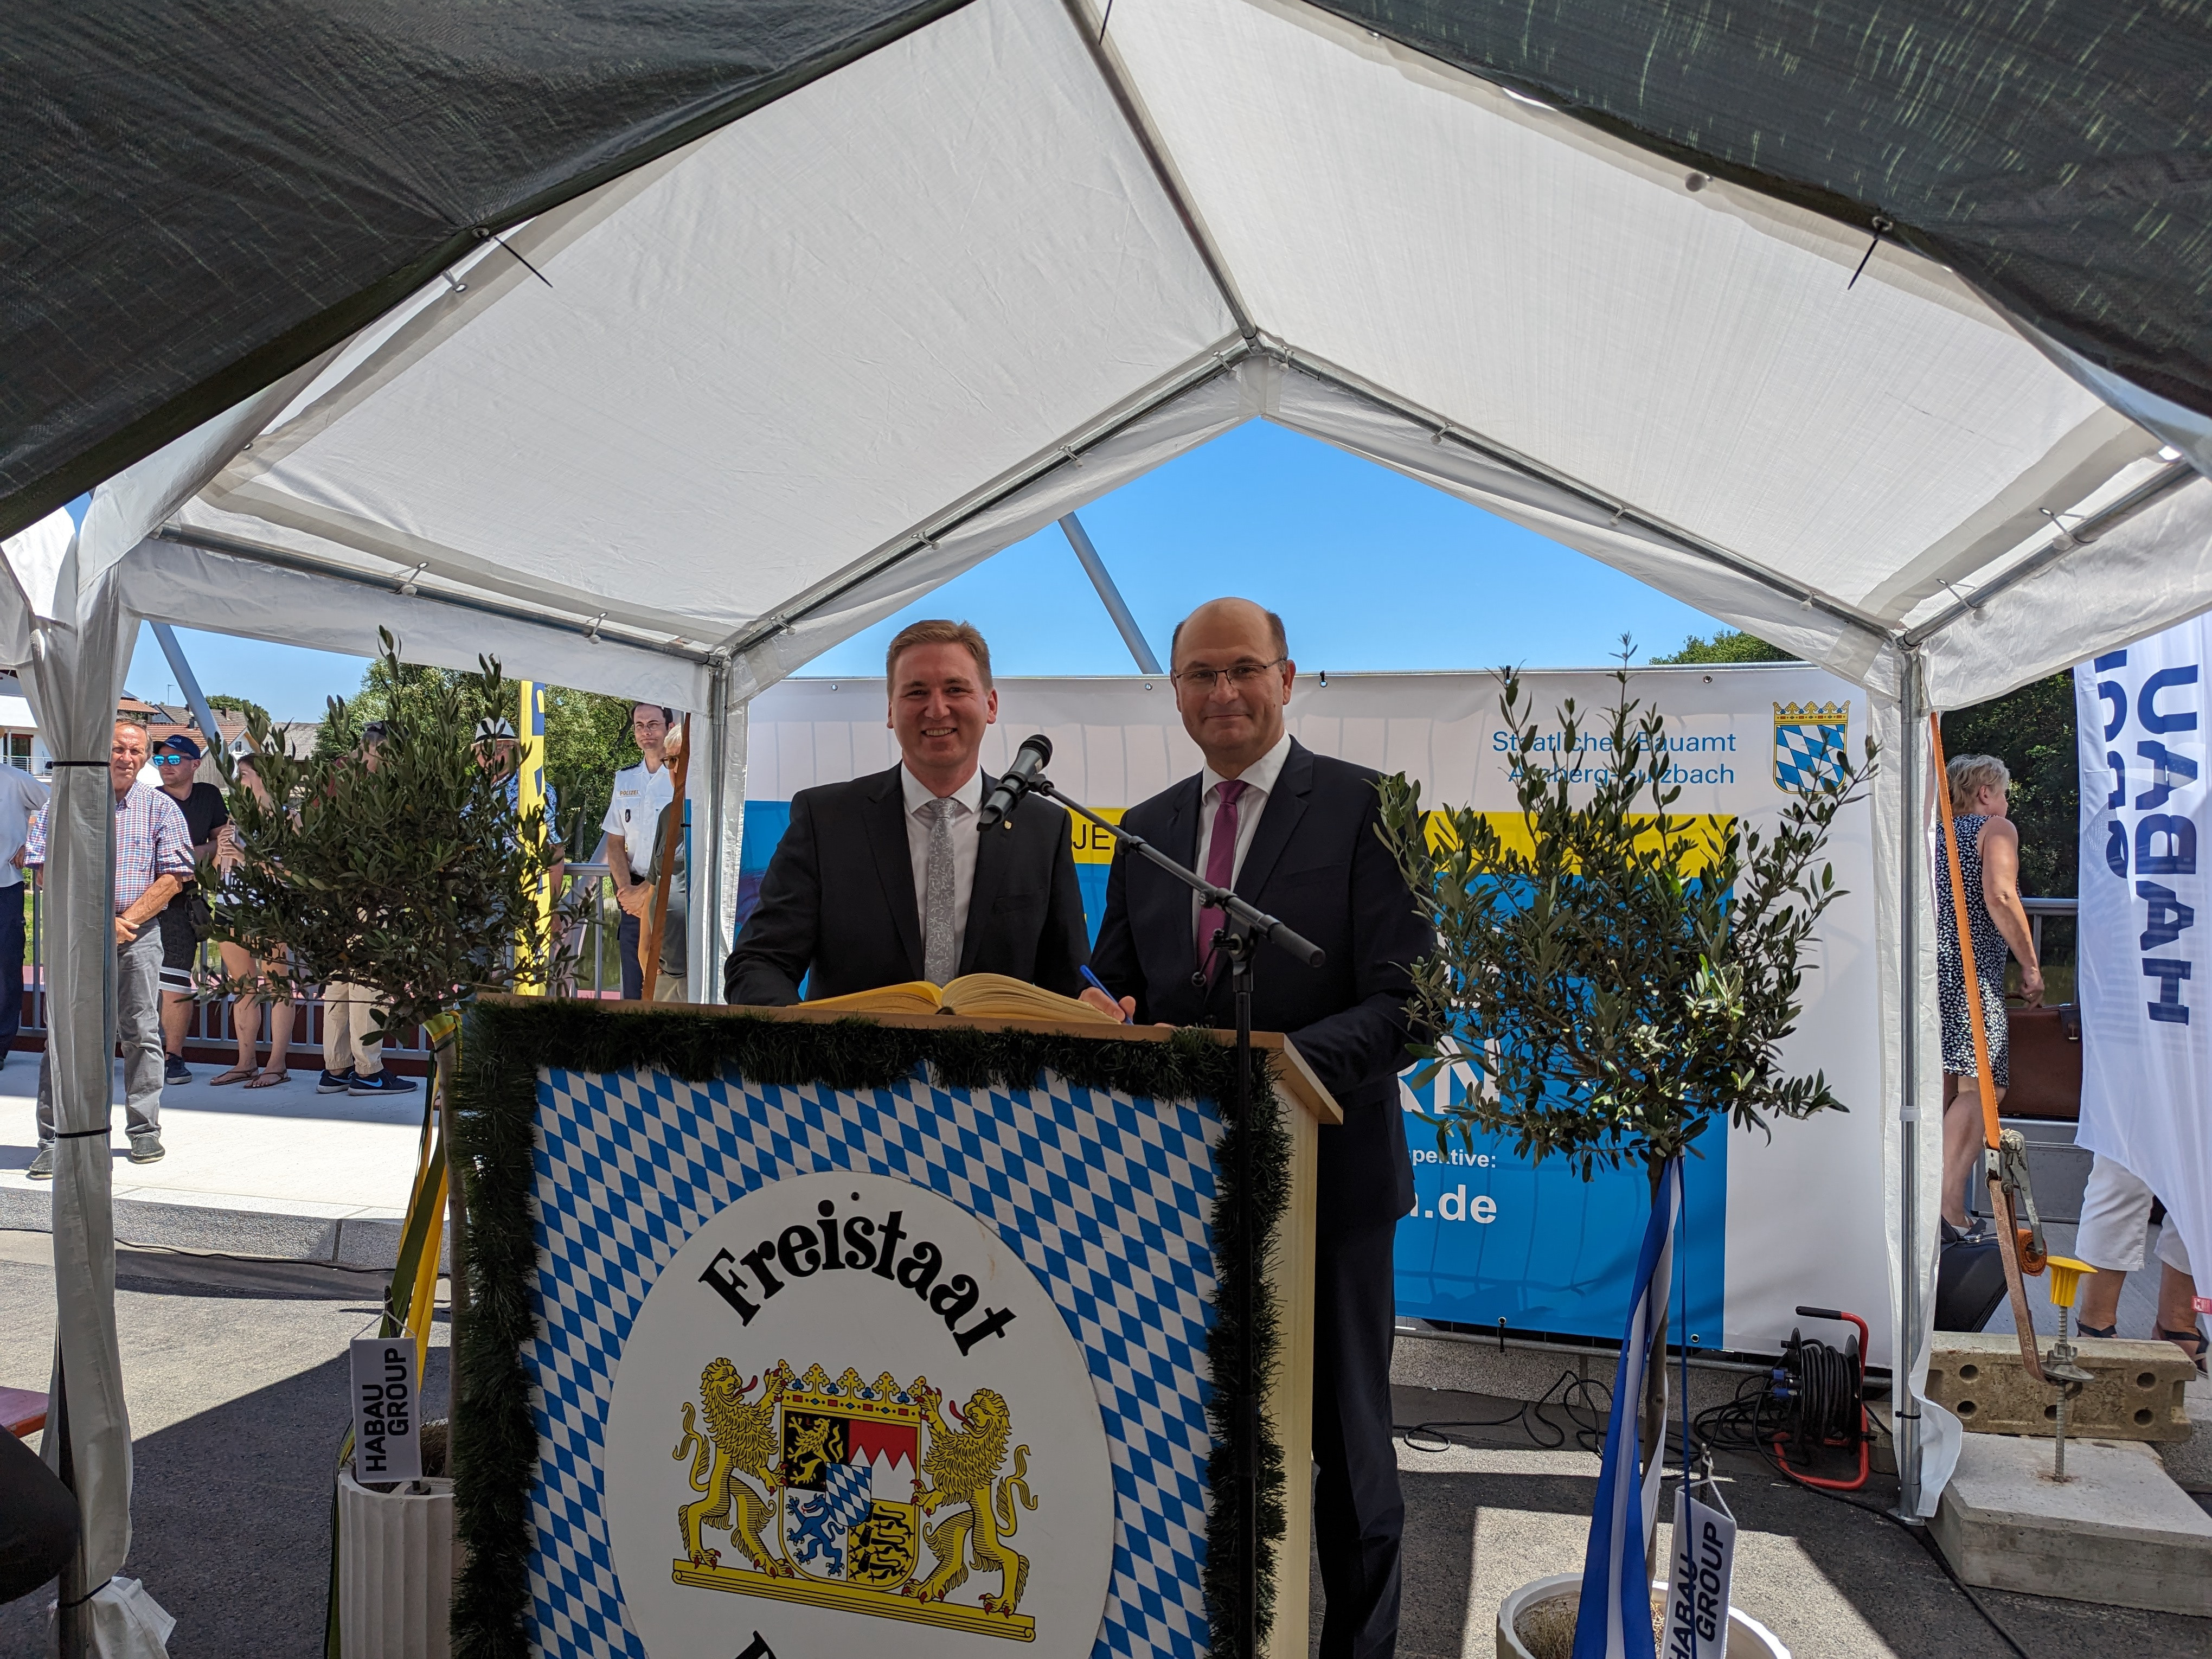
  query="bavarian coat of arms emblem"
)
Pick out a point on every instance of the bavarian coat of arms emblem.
point(859, 1481)
point(1809, 743)
point(943, 1487)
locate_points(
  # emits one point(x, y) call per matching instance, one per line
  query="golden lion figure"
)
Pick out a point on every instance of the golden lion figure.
point(958, 1471)
point(740, 1440)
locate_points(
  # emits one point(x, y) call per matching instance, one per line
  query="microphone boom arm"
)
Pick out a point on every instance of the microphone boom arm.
point(1257, 921)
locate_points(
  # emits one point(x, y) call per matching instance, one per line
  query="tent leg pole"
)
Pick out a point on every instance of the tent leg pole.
point(1904, 1413)
point(708, 944)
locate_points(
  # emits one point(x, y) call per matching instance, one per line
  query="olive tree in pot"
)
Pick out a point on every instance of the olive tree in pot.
point(1617, 977)
point(405, 867)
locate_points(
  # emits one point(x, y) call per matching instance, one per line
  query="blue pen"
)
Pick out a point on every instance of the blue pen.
point(1099, 986)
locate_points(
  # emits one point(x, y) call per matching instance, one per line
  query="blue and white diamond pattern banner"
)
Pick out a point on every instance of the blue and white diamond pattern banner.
point(1106, 1200)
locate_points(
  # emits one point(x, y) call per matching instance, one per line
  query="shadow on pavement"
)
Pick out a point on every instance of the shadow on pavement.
point(231, 1520)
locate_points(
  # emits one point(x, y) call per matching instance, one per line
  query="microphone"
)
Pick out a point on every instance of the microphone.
point(1030, 760)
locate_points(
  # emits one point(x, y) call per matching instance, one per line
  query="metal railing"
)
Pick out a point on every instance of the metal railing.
point(588, 965)
point(2037, 908)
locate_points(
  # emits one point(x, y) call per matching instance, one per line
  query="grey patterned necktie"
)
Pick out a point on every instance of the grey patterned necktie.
point(940, 959)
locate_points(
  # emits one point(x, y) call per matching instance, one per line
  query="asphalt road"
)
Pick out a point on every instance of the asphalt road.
point(236, 1377)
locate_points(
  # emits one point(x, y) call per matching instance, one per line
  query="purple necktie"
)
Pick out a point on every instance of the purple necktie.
point(1220, 868)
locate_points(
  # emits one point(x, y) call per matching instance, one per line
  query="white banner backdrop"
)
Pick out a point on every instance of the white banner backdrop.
point(1797, 1219)
point(2146, 1012)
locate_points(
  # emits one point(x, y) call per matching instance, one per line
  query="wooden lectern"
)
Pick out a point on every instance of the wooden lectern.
point(790, 1332)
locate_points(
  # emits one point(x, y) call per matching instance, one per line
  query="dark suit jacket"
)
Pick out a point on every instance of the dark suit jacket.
point(838, 899)
point(1317, 863)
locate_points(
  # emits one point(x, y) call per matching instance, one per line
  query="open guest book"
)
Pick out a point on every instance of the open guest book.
point(977, 995)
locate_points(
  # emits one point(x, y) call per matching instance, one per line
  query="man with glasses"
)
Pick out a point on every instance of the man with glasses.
point(153, 853)
point(177, 759)
point(1295, 834)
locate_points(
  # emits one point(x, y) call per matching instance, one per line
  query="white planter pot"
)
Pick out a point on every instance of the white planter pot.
point(395, 1571)
point(1748, 1638)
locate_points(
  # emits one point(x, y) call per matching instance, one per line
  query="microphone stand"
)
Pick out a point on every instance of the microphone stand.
point(1236, 940)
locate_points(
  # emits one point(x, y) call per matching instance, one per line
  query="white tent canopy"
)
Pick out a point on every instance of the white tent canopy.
point(679, 436)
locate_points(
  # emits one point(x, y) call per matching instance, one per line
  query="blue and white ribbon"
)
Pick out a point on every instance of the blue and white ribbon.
point(1614, 1619)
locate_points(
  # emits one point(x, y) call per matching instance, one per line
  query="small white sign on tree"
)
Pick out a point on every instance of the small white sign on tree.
point(387, 1445)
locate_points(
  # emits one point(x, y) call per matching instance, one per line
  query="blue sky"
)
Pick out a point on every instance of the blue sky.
point(1369, 569)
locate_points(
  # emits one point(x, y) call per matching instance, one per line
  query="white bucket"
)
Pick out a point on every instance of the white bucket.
point(1747, 1638)
point(395, 1571)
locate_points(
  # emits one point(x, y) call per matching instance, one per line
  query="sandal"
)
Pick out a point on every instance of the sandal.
point(265, 1078)
point(235, 1074)
point(2099, 1332)
point(2191, 1342)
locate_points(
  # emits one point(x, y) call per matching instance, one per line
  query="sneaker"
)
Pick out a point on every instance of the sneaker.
point(176, 1070)
point(382, 1083)
point(42, 1166)
point(335, 1082)
point(146, 1148)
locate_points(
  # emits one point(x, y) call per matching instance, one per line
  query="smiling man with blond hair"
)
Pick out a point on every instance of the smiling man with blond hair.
point(885, 878)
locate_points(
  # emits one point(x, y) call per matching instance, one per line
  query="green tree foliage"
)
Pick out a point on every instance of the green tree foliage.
point(415, 879)
point(223, 703)
point(1727, 645)
point(587, 738)
point(2031, 732)
point(1621, 976)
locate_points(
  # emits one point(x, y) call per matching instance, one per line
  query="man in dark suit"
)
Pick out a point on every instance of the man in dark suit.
point(1294, 833)
point(885, 878)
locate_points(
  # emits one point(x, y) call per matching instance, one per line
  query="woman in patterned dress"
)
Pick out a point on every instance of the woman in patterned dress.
point(1989, 863)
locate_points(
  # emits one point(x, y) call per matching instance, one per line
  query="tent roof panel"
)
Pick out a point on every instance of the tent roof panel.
point(793, 343)
point(201, 200)
point(1570, 299)
point(2056, 154)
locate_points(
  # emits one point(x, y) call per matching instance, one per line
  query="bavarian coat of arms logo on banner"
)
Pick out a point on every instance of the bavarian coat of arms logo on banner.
point(849, 1420)
point(1808, 742)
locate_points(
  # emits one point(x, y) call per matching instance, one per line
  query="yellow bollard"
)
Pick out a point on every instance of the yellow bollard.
point(2065, 1275)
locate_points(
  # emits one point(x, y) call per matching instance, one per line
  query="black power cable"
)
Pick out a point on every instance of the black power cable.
point(1751, 1423)
point(1587, 1404)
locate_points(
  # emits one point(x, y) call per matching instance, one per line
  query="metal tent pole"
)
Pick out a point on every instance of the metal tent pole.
point(1905, 1411)
point(187, 682)
point(1109, 595)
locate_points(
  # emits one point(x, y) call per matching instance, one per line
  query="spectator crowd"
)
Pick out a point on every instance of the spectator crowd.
point(170, 822)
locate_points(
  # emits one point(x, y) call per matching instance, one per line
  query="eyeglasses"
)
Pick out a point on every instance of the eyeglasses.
point(175, 760)
point(1243, 675)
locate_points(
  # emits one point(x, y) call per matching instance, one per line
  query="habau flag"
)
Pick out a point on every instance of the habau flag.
point(1614, 1619)
point(2145, 952)
point(1698, 1577)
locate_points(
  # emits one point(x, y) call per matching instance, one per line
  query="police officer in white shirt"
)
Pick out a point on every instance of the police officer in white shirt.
point(21, 795)
point(633, 815)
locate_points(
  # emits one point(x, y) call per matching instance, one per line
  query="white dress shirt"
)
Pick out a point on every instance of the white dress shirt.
point(634, 812)
point(1259, 779)
point(21, 795)
point(967, 802)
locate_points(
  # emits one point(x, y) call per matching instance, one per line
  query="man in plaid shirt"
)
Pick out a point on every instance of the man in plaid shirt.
point(153, 862)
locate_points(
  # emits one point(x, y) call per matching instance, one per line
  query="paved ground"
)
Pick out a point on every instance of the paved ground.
point(236, 1377)
point(281, 1171)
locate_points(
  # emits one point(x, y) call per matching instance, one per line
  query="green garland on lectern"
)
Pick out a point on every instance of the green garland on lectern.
point(504, 1044)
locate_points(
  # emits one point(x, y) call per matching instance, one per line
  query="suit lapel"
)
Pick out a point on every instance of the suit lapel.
point(1287, 805)
point(994, 853)
point(1181, 844)
point(1279, 819)
point(895, 864)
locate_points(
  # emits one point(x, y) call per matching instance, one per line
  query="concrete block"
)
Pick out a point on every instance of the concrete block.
point(2139, 1393)
point(2119, 1532)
